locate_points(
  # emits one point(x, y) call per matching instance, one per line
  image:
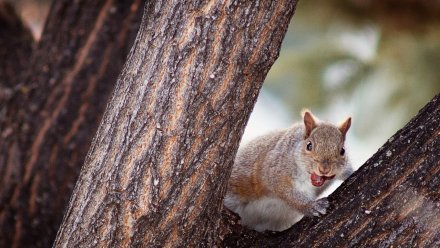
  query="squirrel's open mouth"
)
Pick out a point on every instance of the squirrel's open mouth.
point(318, 181)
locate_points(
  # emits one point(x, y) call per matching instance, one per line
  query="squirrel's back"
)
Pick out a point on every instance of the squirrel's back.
point(252, 158)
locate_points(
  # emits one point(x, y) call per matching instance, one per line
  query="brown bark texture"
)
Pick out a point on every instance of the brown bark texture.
point(16, 44)
point(156, 172)
point(393, 200)
point(50, 119)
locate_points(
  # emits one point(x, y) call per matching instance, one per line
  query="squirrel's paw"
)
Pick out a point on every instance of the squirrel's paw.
point(320, 207)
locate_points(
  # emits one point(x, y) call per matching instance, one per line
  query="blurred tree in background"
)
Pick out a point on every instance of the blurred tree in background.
point(51, 101)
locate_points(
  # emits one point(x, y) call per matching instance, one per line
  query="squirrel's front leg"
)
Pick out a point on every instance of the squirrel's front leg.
point(305, 204)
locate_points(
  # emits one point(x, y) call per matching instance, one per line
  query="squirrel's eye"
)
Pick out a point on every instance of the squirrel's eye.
point(309, 146)
point(342, 151)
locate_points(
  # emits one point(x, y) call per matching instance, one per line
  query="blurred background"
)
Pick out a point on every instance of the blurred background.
point(375, 60)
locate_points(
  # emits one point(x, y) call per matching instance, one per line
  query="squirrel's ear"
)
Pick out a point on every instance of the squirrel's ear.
point(344, 126)
point(309, 122)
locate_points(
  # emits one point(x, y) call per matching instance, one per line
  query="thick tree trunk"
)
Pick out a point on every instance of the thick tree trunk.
point(393, 200)
point(16, 44)
point(54, 113)
point(157, 169)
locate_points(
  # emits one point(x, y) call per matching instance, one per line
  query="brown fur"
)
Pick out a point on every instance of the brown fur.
point(270, 185)
point(250, 186)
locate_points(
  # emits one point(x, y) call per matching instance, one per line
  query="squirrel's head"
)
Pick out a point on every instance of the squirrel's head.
point(323, 148)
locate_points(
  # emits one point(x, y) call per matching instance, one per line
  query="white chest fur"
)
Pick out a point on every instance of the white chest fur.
point(304, 185)
point(276, 214)
point(269, 213)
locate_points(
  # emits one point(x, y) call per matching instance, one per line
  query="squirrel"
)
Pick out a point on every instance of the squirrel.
point(277, 177)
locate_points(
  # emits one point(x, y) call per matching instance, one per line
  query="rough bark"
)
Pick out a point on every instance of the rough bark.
point(16, 44)
point(50, 120)
point(156, 172)
point(393, 200)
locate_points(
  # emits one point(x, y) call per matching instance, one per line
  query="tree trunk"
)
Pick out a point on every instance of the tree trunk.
point(16, 44)
point(156, 172)
point(393, 200)
point(54, 112)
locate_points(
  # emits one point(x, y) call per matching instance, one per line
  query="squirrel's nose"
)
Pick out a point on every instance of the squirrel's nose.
point(324, 170)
